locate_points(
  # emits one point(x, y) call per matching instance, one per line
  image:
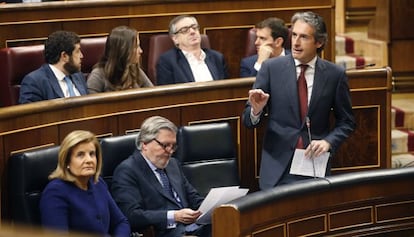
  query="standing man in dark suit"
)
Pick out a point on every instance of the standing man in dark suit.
point(168, 204)
point(276, 88)
point(188, 62)
point(60, 76)
point(271, 38)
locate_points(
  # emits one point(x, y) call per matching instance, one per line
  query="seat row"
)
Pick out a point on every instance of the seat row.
point(206, 151)
point(16, 62)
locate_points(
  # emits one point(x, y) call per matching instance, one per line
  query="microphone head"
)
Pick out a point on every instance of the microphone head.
point(307, 121)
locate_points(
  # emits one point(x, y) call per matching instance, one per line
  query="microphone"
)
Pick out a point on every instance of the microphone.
point(361, 66)
point(307, 120)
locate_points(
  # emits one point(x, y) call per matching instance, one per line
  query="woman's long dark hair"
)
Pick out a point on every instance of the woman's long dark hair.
point(120, 49)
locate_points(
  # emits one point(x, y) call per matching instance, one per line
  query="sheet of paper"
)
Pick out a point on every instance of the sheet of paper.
point(216, 197)
point(314, 167)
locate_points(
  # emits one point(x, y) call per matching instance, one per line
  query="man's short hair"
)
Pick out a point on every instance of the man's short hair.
point(151, 127)
point(172, 29)
point(58, 42)
point(277, 27)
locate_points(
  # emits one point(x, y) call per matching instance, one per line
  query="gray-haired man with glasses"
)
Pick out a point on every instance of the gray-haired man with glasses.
point(188, 62)
point(150, 187)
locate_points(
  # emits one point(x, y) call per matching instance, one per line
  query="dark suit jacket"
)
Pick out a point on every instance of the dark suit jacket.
point(173, 67)
point(330, 93)
point(42, 84)
point(140, 196)
point(63, 206)
point(247, 65)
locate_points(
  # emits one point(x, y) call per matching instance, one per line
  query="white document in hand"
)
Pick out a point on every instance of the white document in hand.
point(302, 165)
point(216, 197)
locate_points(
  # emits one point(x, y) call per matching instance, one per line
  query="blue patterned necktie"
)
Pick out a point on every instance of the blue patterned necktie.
point(165, 182)
point(167, 186)
point(69, 85)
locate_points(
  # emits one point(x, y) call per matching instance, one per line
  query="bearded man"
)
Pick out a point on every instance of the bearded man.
point(61, 75)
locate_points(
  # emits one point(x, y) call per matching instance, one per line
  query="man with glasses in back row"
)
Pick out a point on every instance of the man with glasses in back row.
point(151, 189)
point(188, 62)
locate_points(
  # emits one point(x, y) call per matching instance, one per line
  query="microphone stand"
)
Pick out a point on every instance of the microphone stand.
point(310, 141)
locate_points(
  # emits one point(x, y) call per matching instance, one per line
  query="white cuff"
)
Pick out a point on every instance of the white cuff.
point(257, 66)
point(254, 118)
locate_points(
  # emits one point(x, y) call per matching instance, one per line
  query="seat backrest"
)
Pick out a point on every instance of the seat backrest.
point(159, 44)
point(208, 155)
point(114, 151)
point(27, 177)
point(15, 63)
point(251, 39)
point(92, 50)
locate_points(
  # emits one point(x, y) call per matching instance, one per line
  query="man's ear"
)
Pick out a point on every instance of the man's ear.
point(64, 56)
point(175, 40)
point(279, 42)
point(319, 44)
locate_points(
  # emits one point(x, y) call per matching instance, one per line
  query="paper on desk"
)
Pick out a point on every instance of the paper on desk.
point(302, 165)
point(216, 197)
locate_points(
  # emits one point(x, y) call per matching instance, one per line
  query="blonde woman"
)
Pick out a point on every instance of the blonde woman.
point(76, 198)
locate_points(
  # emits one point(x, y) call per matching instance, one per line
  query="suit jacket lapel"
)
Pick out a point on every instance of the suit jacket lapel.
point(78, 84)
point(147, 172)
point(185, 66)
point(54, 82)
point(292, 88)
point(211, 67)
point(319, 81)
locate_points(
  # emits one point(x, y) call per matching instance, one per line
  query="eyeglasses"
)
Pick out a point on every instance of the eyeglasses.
point(186, 29)
point(167, 146)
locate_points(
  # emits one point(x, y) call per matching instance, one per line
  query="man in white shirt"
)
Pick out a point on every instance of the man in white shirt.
point(188, 62)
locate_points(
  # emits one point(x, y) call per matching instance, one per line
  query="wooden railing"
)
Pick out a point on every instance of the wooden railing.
point(369, 203)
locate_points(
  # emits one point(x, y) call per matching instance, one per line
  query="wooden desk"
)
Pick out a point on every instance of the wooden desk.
point(370, 203)
point(46, 123)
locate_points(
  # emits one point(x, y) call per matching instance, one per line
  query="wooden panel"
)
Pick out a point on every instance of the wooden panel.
point(367, 119)
point(272, 231)
point(101, 127)
point(401, 13)
point(351, 218)
point(359, 13)
point(131, 122)
point(312, 225)
point(395, 211)
point(34, 138)
point(379, 27)
point(360, 3)
point(401, 54)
